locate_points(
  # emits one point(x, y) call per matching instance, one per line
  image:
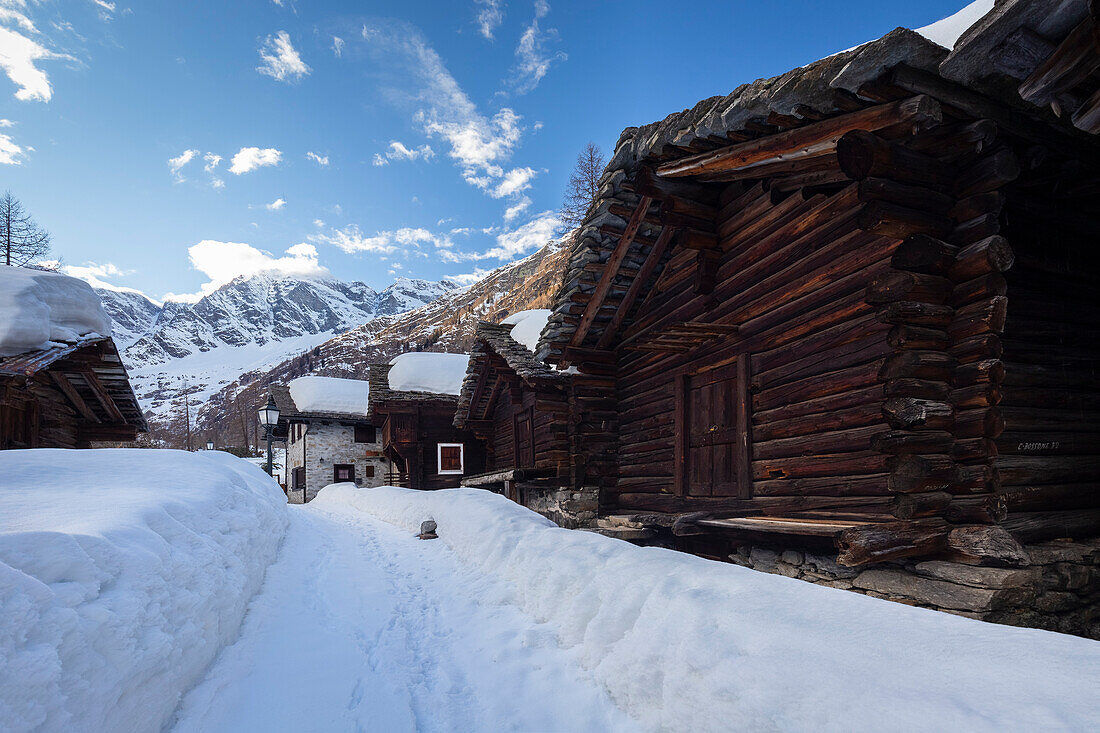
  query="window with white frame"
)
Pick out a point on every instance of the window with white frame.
point(449, 457)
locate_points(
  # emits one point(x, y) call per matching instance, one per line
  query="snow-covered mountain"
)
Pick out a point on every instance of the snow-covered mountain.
point(257, 310)
point(249, 324)
point(445, 324)
point(132, 314)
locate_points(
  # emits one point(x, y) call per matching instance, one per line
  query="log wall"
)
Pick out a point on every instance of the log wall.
point(792, 276)
point(1049, 453)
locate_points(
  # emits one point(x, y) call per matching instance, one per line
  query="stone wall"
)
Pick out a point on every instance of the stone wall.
point(1058, 591)
point(573, 509)
point(326, 444)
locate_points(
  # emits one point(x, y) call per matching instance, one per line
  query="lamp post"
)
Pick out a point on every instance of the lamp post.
point(209, 445)
point(269, 418)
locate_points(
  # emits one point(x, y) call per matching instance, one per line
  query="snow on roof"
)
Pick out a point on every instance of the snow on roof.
point(428, 371)
point(946, 31)
point(330, 394)
point(39, 309)
point(527, 326)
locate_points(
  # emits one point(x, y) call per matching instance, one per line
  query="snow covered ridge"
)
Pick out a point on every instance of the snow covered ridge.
point(527, 326)
point(428, 371)
point(683, 643)
point(123, 573)
point(330, 394)
point(40, 308)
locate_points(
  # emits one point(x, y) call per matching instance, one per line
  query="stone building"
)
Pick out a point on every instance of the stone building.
point(329, 437)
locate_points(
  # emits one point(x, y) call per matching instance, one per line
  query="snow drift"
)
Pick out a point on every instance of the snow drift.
point(683, 643)
point(38, 308)
point(122, 574)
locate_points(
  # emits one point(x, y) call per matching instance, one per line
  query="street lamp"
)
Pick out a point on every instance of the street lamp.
point(209, 445)
point(269, 418)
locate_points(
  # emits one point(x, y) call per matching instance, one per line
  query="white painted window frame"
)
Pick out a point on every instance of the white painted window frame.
point(461, 458)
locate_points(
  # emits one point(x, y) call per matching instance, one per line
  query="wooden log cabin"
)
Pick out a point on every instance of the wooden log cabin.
point(417, 433)
point(850, 313)
point(524, 411)
point(67, 396)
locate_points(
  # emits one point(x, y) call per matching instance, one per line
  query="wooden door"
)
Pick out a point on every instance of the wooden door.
point(713, 432)
point(524, 436)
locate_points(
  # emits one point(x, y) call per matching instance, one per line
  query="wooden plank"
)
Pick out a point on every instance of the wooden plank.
point(103, 395)
point(804, 527)
point(813, 140)
point(681, 443)
point(635, 289)
point(608, 277)
point(744, 426)
point(70, 392)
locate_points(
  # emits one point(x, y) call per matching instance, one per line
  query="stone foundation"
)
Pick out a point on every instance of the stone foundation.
point(572, 509)
point(1058, 591)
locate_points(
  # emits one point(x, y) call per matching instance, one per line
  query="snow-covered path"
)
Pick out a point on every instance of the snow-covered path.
point(360, 626)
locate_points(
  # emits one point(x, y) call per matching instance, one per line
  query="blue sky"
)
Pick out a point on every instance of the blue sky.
point(170, 146)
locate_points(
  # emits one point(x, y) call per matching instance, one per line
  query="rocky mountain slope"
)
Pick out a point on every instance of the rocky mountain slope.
point(249, 324)
point(446, 324)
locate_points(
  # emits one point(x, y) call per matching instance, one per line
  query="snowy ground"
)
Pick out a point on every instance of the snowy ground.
point(145, 590)
point(361, 626)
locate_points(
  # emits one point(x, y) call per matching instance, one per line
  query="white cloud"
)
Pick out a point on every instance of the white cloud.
point(105, 7)
point(18, 57)
point(249, 159)
point(407, 239)
point(224, 261)
point(217, 183)
point(479, 145)
point(489, 17)
point(94, 274)
point(276, 204)
point(515, 242)
point(176, 164)
point(338, 46)
point(533, 61)
point(514, 181)
point(321, 160)
point(318, 223)
point(514, 211)
point(11, 152)
point(469, 278)
point(398, 151)
point(212, 162)
point(280, 59)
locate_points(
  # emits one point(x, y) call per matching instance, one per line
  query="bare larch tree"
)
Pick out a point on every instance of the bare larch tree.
point(22, 241)
point(583, 186)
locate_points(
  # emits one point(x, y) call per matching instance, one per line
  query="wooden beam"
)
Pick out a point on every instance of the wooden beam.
point(604, 285)
point(102, 395)
point(1071, 63)
point(636, 286)
point(813, 140)
point(74, 397)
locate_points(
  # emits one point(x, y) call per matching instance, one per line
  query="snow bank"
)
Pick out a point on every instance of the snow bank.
point(946, 31)
point(683, 643)
point(330, 394)
point(38, 308)
point(528, 326)
point(428, 371)
point(122, 574)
